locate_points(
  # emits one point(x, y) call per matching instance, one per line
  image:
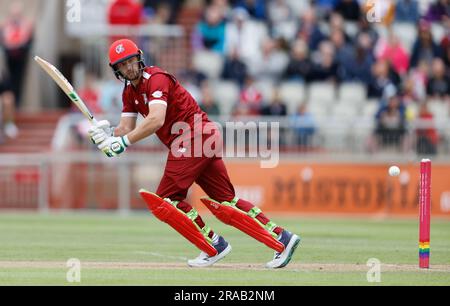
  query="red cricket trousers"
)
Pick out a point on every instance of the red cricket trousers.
point(210, 174)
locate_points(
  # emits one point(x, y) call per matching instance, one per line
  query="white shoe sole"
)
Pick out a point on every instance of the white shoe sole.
point(212, 260)
point(286, 256)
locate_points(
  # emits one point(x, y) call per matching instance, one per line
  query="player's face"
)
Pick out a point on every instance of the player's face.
point(130, 68)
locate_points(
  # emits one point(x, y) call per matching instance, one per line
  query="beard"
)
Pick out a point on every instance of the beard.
point(133, 75)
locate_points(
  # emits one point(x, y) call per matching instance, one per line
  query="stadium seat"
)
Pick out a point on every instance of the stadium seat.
point(381, 30)
point(370, 108)
point(318, 110)
point(298, 6)
point(406, 33)
point(292, 94)
point(344, 111)
point(286, 30)
point(351, 28)
point(266, 88)
point(210, 63)
point(226, 94)
point(352, 94)
point(439, 109)
point(322, 93)
point(438, 31)
point(324, 27)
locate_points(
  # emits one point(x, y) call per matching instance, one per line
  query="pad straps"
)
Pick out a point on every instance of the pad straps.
point(253, 213)
point(192, 215)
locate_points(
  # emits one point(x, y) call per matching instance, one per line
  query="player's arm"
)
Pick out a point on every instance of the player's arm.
point(153, 122)
point(126, 125)
point(158, 91)
point(114, 146)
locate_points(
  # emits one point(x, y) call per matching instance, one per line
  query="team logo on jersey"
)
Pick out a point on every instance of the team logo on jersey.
point(120, 49)
point(157, 94)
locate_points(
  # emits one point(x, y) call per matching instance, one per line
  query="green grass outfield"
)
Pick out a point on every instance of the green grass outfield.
point(140, 250)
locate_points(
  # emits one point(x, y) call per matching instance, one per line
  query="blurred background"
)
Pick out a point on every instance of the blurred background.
point(355, 85)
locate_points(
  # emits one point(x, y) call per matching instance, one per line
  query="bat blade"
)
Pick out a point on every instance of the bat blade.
point(64, 84)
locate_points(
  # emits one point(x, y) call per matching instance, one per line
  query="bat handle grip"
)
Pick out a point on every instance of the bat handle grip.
point(94, 121)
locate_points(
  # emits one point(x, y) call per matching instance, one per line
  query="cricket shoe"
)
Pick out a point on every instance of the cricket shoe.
point(203, 260)
point(291, 242)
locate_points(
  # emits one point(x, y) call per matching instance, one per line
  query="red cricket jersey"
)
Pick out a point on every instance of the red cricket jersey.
point(159, 87)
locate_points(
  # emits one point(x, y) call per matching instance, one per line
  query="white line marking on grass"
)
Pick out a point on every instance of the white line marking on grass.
point(155, 254)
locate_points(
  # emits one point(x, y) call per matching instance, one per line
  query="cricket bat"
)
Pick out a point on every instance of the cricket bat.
point(62, 82)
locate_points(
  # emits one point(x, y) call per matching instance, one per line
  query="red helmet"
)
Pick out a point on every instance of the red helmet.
point(120, 51)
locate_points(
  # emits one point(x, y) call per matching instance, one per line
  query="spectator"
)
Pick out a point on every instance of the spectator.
point(210, 32)
point(309, 30)
point(304, 126)
point(366, 28)
point(276, 106)
point(299, 66)
point(195, 76)
point(125, 12)
point(391, 119)
point(16, 38)
point(410, 94)
point(359, 68)
point(281, 19)
point(324, 7)
point(168, 8)
point(89, 94)
point(446, 57)
point(424, 47)
point(407, 11)
point(7, 110)
point(222, 5)
point(234, 69)
point(208, 105)
point(438, 11)
point(161, 15)
point(439, 84)
point(272, 63)
point(256, 8)
point(251, 99)
point(419, 79)
point(445, 42)
point(245, 36)
point(344, 54)
point(392, 51)
point(337, 23)
point(382, 76)
point(324, 64)
point(349, 9)
point(426, 134)
point(279, 11)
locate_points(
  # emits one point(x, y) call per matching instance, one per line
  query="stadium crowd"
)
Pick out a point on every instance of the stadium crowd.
point(334, 41)
point(397, 51)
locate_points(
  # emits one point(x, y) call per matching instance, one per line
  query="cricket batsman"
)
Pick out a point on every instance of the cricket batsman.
point(172, 114)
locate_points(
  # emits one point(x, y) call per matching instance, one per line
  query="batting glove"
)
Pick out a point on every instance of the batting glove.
point(100, 132)
point(114, 146)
